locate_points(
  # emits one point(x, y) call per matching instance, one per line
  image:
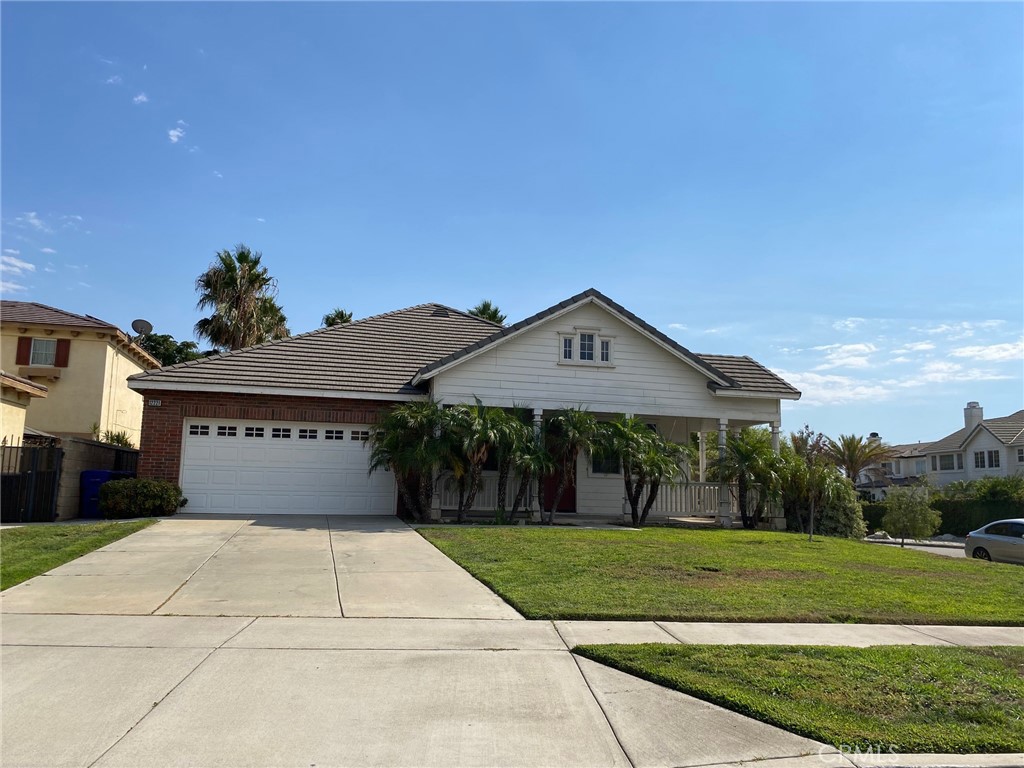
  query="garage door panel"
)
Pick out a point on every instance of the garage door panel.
point(225, 471)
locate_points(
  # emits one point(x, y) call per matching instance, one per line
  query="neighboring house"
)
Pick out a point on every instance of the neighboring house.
point(282, 427)
point(983, 448)
point(83, 362)
point(16, 394)
point(905, 466)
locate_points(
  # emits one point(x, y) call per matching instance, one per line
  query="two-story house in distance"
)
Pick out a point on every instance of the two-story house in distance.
point(83, 363)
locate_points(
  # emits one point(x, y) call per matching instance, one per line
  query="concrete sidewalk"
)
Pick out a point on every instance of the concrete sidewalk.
point(330, 642)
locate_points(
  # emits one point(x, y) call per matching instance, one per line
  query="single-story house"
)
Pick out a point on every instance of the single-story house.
point(282, 427)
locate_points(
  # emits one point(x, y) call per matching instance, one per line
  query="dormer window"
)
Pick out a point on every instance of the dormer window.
point(585, 346)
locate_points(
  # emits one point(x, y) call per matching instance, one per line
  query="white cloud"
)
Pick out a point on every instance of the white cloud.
point(260, 219)
point(183, 124)
point(914, 346)
point(995, 353)
point(901, 359)
point(15, 266)
point(12, 251)
point(942, 372)
point(849, 324)
point(193, 149)
point(9, 287)
point(106, 61)
point(218, 174)
point(85, 285)
point(49, 268)
point(114, 80)
point(959, 330)
point(846, 355)
point(175, 135)
point(832, 389)
point(677, 326)
point(141, 98)
point(47, 250)
point(31, 219)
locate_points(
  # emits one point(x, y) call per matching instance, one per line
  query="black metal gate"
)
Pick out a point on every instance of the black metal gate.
point(29, 479)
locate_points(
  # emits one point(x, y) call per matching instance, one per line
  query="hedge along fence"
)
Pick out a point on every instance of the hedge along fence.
point(961, 517)
point(139, 498)
point(958, 517)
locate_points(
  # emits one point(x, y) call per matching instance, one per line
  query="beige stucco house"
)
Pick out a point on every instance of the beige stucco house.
point(84, 364)
point(16, 394)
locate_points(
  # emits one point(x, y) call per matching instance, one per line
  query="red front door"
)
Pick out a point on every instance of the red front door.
point(568, 502)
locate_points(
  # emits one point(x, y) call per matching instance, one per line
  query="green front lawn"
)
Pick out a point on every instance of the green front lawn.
point(720, 575)
point(35, 549)
point(889, 698)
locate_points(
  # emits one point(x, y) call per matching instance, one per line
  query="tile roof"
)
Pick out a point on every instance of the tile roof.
point(379, 354)
point(1009, 430)
point(23, 385)
point(909, 450)
point(750, 374)
point(33, 313)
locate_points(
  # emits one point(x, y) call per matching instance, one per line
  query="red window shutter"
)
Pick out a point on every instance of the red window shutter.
point(24, 356)
point(63, 350)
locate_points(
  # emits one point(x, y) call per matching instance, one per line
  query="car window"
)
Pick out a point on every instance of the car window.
point(999, 529)
point(1016, 530)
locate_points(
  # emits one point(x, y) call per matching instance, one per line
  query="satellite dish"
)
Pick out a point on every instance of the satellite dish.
point(142, 327)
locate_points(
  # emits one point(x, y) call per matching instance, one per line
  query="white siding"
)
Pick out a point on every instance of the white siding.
point(646, 379)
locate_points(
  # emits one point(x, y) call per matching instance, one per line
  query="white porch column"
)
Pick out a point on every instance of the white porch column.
point(724, 500)
point(775, 437)
point(702, 460)
point(534, 490)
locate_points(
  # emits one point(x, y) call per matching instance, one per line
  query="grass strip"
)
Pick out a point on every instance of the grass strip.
point(902, 699)
point(725, 575)
point(34, 549)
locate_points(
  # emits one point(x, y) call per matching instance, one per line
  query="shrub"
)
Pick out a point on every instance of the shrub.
point(908, 515)
point(843, 516)
point(117, 438)
point(139, 498)
point(960, 517)
point(873, 514)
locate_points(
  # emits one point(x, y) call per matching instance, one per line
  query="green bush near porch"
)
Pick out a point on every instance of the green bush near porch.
point(904, 699)
point(726, 575)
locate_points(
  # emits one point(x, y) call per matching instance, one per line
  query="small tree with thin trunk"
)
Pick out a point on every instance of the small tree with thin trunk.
point(908, 515)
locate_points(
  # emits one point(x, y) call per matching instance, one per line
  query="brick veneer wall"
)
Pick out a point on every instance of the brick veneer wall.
point(162, 424)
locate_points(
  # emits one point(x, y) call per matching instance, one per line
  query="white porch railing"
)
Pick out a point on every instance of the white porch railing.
point(486, 497)
point(689, 500)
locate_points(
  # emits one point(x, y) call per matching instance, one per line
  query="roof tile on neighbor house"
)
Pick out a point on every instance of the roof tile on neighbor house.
point(34, 313)
point(23, 385)
point(1009, 430)
point(378, 354)
point(909, 450)
point(750, 374)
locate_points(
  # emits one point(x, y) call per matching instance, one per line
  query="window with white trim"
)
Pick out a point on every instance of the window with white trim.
point(334, 434)
point(307, 434)
point(585, 347)
point(1020, 455)
point(919, 466)
point(44, 352)
point(979, 459)
point(254, 431)
point(284, 433)
point(993, 459)
point(199, 430)
point(946, 462)
point(225, 431)
point(361, 435)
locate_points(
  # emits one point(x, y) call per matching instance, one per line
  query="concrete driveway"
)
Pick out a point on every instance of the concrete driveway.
point(323, 642)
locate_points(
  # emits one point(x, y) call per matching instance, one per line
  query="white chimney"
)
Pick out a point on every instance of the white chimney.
point(973, 414)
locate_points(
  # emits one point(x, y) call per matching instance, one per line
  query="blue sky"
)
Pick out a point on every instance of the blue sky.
point(834, 190)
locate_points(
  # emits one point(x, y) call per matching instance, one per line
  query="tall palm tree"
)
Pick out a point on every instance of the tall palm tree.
point(336, 316)
point(512, 435)
point(573, 431)
point(856, 455)
point(242, 296)
point(488, 311)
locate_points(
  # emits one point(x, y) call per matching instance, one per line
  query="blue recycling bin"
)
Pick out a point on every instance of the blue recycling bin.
point(89, 492)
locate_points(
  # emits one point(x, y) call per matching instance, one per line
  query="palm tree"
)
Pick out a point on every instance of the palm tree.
point(336, 316)
point(750, 462)
point(856, 455)
point(409, 442)
point(530, 461)
point(242, 296)
point(573, 431)
point(474, 430)
point(488, 311)
point(512, 435)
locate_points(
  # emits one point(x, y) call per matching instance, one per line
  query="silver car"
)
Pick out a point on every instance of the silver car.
point(1002, 541)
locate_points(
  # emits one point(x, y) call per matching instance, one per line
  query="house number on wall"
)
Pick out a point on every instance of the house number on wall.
point(155, 403)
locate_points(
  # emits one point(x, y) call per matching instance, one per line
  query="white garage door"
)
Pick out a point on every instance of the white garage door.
point(279, 467)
